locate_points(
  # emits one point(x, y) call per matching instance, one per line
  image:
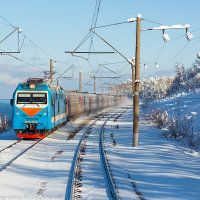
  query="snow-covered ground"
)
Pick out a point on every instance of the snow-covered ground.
point(41, 173)
point(181, 105)
point(158, 168)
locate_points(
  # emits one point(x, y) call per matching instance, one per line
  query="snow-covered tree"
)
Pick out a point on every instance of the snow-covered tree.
point(186, 80)
point(155, 88)
point(180, 83)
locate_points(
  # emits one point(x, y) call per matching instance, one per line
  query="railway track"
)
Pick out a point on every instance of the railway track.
point(14, 156)
point(9, 146)
point(76, 173)
point(6, 162)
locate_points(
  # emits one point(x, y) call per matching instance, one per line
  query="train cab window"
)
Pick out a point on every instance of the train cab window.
point(40, 98)
point(31, 98)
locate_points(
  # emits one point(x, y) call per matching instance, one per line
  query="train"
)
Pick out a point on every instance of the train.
point(39, 108)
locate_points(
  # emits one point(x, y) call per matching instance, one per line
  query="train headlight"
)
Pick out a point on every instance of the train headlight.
point(32, 86)
point(45, 112)
point(17, 111)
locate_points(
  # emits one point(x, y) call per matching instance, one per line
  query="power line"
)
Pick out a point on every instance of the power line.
point(82, 41)
point(25, 37)
point(93, 52)
point(7, 21)
point(183, 35)
point(63, 73)
point(93, 18)
point(113, 63)
point(110, 70)
point(124, 68)
point(115, 24)
point(154, 22)
point(178, 37)
point(8, 84)
point(195, 30)
point(34, 44)
point(177, 53)
point(110, 46)
point(94, 22)
point(25, 62)
point(97, 13)
point(160, 52)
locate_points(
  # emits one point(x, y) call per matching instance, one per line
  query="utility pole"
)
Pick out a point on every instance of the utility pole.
point(94, 84)
point(137, 66)
point(137, 82)
point(51, 70)
point(80, 81)
point(133, 88)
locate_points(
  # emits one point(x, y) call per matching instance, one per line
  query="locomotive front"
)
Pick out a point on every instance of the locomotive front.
point(30, 109)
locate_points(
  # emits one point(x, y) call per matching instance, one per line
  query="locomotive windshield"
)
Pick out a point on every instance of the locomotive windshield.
point(31, 98)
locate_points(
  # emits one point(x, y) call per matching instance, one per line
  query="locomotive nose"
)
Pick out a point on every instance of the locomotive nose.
point(31, 111)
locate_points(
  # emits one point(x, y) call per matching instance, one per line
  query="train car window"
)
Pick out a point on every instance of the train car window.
point(52, 100)
point(31, 98)
point(58, 106)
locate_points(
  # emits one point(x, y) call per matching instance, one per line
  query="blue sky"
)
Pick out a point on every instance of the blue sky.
point(58, 26)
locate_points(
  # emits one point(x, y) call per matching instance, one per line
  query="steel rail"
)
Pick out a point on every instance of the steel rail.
point(10, 145)
point(13, 159)
point(70, 191)
point(112, 186)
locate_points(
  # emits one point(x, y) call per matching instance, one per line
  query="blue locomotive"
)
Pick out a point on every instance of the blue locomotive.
point(38, 108)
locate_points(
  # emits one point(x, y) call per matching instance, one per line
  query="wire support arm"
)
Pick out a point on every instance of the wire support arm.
point(90, 52)
point(114, 24)
point(111, 46)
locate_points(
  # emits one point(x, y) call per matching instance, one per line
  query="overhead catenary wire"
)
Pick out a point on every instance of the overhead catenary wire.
point(24, 40)
point(107, 42)
point(34, 44)
point(124, 68)
point(4, 24)
point(63, 73)
point(25, 36)
point(94, 22)
point(80, 57)
point(160, 52)
point(183, 35)
point(7, 84)
point(171, 40)
point(110, 46)
point(25, 62)
point(113, 63)
point(178, 37)
point(178, 53)
point(87, 82)
point(95, 72)
point(7, 21)
point(93, 27)
point(110, 70)
point(82, 42)
point(154, 22)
